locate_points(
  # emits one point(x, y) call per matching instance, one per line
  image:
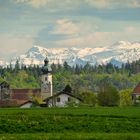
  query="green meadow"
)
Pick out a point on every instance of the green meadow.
point(103, 123)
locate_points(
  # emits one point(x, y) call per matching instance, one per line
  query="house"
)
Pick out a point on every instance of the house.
point(136, 94)
point(62, 99)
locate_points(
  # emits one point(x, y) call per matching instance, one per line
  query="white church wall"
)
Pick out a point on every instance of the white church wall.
point(46, 87)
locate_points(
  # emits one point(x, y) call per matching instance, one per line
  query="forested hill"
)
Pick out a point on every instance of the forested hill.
point(87, 78)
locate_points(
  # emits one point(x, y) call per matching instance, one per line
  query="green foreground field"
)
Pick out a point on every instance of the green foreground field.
point(70, 123)
point(72, 136)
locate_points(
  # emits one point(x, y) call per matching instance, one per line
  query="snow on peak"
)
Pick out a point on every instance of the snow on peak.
point(124, 43)
point(3, 63)
point(36, 48)
point(118, 53)
point(121, 44)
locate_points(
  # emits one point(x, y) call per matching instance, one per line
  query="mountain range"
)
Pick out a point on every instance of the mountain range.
point(117, 54)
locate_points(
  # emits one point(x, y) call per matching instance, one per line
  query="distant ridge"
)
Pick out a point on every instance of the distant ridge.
point(118, 53)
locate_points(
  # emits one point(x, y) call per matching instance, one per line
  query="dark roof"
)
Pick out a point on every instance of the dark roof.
point(23, 94)
point(4, 83)
point(70, 94)
point(136, 90)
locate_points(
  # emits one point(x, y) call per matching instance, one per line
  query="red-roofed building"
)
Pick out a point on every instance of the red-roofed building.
point(24, 94)
point(136, 94)
point(15, 103)
point(17, 97)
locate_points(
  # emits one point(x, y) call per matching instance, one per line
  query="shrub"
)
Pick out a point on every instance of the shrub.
point(107, 95)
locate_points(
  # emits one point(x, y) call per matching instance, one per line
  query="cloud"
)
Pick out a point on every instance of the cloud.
point(71, 4)
point(34, 3)
point(82, 34)
point(52, 3)
point(94, 39)
point(110, 4)
point(79, 34)
point(65, 27)
point(65, 32)
point(102, 38)
point(134, 4)
point(130, 29)
point(73, 28)
point(13, 46)
point(99, 3)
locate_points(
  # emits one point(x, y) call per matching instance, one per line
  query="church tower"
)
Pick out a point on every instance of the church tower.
point(46, 78)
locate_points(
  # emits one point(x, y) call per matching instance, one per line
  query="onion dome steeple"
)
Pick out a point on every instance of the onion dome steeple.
point(46, 61)
point(46, 68)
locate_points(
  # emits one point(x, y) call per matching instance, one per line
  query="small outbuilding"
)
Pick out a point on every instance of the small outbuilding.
point(26, 104)
point(136, 94)
point(15, 103)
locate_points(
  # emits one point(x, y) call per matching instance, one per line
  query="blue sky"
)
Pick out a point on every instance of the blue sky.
point(66, 23)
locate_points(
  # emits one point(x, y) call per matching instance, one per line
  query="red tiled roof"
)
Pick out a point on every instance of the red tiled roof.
point(38, 90)
point(12, 103)
point(137, 89)
point(21, 102)
point(23, 94)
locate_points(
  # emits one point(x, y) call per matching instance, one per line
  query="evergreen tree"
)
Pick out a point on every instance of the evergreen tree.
point(17, 66)
point(77, 69)
point(66, 66)
point(68, 89)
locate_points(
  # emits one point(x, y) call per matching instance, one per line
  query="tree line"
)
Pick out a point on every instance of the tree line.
point(86, 81)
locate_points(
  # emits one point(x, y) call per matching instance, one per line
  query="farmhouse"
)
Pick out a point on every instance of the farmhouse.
point(62, 99)
point(24, 97)
point(136, 94)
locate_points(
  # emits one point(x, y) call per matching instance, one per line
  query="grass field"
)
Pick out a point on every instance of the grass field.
point(70, 123)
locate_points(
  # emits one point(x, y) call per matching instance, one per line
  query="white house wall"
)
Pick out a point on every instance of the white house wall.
point(63, 100)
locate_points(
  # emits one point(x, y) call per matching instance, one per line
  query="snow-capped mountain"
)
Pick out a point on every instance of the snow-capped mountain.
point(118, 53)
point(3, 63)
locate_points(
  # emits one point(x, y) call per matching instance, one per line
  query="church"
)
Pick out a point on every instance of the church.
point(60, 99)
point(22, 97)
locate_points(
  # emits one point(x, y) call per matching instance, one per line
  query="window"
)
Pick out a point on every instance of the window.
point(69, 99)
point(46, 79)
point(58, 99)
